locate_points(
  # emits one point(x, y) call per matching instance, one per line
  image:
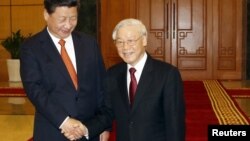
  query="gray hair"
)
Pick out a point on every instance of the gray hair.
point(129, 22)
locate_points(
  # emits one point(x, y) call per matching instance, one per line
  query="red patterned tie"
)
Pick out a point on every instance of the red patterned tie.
point(68, 63)
point(132, 86)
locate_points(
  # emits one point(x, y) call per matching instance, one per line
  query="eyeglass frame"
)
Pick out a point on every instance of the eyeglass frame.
point(128, 42)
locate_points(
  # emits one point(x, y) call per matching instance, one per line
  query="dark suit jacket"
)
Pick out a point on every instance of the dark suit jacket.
point(49, 86)
point(158, 113)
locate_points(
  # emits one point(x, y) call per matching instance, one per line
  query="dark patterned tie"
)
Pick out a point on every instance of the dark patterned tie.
point(132, 86)
point(68, 63)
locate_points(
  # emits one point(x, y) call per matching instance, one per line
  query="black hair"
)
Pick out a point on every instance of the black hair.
point(50, 5)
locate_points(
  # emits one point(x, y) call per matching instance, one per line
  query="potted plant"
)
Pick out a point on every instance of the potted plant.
point(12, 45)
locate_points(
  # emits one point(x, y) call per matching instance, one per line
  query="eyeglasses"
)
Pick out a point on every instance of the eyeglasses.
point(120, 43)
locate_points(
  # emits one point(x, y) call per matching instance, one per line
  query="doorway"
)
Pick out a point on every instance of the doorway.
point(248, 42)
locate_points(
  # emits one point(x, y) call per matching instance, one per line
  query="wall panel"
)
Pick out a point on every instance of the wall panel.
point(26, 15)
point(29, 19)
point(5, 24)
point(26, 2)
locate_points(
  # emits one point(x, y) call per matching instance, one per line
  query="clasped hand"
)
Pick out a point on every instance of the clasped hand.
point(73, 129)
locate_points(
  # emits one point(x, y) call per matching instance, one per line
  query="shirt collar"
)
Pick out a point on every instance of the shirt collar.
point(139, 66)
point(56, 40)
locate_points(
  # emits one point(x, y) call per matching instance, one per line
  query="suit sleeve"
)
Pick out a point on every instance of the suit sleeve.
point(35, 88)
point(174, 106)
point(103, 120)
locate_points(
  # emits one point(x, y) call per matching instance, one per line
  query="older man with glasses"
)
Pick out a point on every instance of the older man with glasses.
point(143, 95)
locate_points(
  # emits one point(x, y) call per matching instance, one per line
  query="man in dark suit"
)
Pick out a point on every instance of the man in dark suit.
point(157, 110)
point(62, 103)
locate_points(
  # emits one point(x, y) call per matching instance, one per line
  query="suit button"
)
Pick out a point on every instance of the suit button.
point(131, 124)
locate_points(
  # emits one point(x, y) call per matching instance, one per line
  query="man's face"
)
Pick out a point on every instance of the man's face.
point(130, 44)
point(62, 22)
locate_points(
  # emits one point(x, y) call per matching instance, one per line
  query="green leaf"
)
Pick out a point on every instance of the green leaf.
point(13, 42)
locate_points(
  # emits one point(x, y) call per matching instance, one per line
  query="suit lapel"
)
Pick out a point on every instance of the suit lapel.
point(77, 46)
point(144, 83)
point(122, 83)
point(54, 55)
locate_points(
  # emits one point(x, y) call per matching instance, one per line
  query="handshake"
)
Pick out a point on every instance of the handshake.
point(73, 129)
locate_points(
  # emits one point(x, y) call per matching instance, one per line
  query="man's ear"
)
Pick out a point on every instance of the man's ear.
point(144, 40)
point(45, 14)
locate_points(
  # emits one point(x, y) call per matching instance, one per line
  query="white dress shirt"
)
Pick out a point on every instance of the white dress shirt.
point(139, 67)
point(69, 46)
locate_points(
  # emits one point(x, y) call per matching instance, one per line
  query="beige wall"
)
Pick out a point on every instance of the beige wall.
point(26, 15)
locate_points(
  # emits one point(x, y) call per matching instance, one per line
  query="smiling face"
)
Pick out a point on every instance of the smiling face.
point(61, 22)
point(132, 44)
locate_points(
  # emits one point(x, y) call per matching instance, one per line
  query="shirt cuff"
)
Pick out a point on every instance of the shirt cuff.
point(63, 122)
point(87, 133)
